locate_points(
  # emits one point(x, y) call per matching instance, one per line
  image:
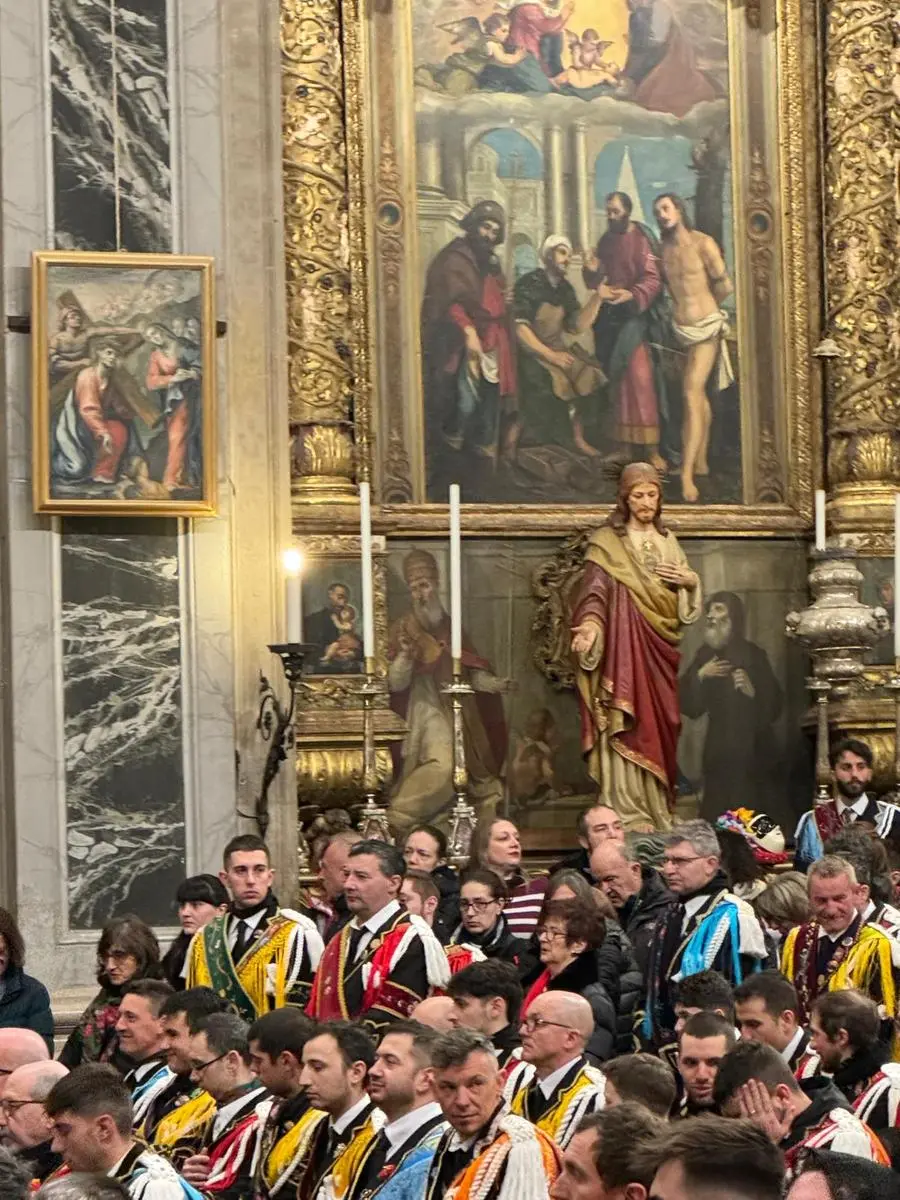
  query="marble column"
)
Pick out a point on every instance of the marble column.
point(428, 162)
point(553, 179)
point(861, 265)
point(584, 199)
point(254, 293)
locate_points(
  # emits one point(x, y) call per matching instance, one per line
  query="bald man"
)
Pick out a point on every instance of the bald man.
point(563, 1087)
point(594, 826)
point(17, 1048)
point(26, 1128)
point(637, 893)
point(437, 1012)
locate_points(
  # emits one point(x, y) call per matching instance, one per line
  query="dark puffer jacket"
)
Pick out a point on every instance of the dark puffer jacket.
point(25, 1004)
point(618, 971)
point(582, 976)
point(446, 918)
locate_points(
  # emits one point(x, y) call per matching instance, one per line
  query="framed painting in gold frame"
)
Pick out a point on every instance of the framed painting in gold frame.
point(123, 380)
point(529, 339)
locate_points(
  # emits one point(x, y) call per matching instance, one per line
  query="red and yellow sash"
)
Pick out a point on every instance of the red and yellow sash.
point(328, 1001)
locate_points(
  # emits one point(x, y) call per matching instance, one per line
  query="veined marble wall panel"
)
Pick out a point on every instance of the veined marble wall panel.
point(121, 641)
point(109, 73)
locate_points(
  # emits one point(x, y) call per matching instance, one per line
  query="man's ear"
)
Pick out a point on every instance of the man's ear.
point(635, 1191)
point(223, 878)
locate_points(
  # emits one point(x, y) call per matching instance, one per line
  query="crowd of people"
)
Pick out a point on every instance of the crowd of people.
point(672, 1017)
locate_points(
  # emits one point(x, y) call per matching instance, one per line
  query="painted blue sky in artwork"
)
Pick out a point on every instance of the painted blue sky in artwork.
point(519, 158)
point(659, 165)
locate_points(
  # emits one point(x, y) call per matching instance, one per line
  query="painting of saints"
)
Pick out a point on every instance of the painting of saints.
point(626, 269)
point(469, 362)
point(698, 282)
point(557, 381)
point(419, 666)
point(636, 592)
point(94, 430)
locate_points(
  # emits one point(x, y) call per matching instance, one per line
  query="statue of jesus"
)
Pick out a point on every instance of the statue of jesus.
point(636, 592)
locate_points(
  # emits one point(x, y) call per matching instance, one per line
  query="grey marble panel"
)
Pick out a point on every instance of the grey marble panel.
point(122, 675)
point(110, 116)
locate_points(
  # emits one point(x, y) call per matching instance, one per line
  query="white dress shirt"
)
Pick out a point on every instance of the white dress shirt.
point(791, 1048)
point(371, 926)
point(401, 1130)
point(345, 1120)
point(250, 922)
point(547, 1085)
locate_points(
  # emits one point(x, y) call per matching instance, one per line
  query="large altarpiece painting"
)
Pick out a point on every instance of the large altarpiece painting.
point(593, 243)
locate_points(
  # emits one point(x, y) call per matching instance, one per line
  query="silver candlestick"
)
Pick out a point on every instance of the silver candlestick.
point(373, 820)
point(462, 818)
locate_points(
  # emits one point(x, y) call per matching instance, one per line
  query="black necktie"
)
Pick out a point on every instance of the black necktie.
point(353, 944)
point(242, 941)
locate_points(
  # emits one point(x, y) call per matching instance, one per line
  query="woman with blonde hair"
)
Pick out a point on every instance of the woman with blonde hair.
point(783, 904)
point(496, 847)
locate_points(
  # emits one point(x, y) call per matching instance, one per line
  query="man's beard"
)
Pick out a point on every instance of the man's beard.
point(850, 789)
point(484, 252)
point(717, 634)
point(429, 613)
point(616, 224)
point(667, 232)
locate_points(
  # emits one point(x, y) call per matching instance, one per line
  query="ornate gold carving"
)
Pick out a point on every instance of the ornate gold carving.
point(397, 485)
point(333, 778)
point(552, 584)
point(863, 289)
point(769, 480)
point(323, 458)
point(760, 223)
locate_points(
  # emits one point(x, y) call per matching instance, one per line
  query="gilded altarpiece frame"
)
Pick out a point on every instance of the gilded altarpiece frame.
point(770, 243)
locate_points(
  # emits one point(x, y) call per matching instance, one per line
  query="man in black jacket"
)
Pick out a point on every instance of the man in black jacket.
point(595, 826)
point(637, 893)
point(488, 996)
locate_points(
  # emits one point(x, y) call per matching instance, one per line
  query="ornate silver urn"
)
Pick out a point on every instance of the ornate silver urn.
point(837, 629)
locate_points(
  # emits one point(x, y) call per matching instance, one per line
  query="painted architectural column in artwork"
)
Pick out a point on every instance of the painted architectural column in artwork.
point(862, 279)
point(453, 163)
point(321, 362)
point(553, 177)
point(583, 199)
point(428, 161)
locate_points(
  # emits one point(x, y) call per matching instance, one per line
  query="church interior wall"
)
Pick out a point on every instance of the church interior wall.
point(126, 676)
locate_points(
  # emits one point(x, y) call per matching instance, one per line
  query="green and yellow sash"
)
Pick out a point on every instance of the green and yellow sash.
point(245, 984)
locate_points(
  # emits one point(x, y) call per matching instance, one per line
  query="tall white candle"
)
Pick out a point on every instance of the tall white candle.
point(292, 560)
point(896, 577)
point(365, 533)
point(820, 520)
point(455, 576)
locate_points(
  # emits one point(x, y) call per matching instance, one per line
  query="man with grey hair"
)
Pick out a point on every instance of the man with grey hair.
point(838, 948)
point(558, 379)
point(485, 1140)
point(26, 1127)
point(706, 927)
point(84, 1185)
point(636, 891)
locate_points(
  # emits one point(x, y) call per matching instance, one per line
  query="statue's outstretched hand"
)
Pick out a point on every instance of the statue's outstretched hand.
point(583, 637)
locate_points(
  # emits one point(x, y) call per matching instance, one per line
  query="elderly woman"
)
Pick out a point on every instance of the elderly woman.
point(127, 950)
point(569, 935)
point(617, 967)
point(24, 1001)
point(496, 846)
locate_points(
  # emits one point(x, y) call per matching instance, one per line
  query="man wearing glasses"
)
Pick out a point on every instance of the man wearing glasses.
point(25, 1125)
point(705, 927)
point(563, 1087)
point(220, 1063)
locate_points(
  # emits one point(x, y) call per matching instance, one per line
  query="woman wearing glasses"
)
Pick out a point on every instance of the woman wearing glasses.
point(24, 1001)
point(569, 935)
point(482, 896)
point(127, 950)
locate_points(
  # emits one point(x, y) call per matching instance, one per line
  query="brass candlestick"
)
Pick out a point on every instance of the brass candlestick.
point(821, 690)
point(373, 820)
point(462, 818)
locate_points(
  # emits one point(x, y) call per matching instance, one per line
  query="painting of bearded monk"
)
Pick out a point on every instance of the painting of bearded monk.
point(419, 665)
point(731, 680)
